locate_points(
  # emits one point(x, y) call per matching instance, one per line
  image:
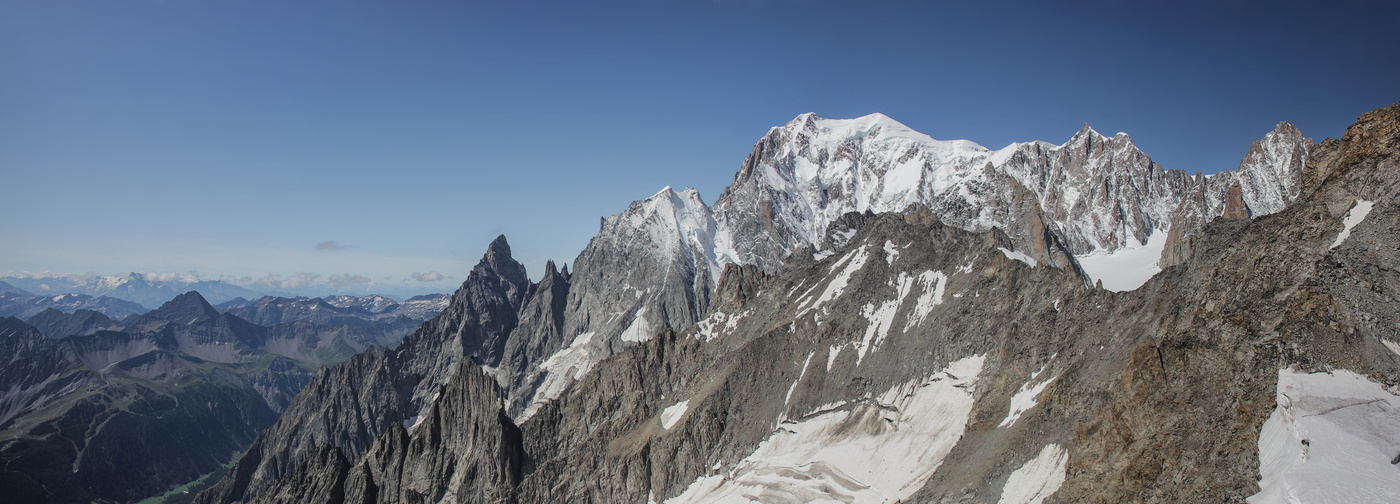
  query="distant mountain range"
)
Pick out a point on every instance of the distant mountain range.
point(154, 290)
point(133, 287)
point(24, 306)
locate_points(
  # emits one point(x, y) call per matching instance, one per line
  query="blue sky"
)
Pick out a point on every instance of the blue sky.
point(231, 138)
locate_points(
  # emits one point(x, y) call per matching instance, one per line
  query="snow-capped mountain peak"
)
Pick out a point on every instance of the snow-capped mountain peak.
point(1269, 173)
point(1093, 196)
point(874, 125)
point(673, 222)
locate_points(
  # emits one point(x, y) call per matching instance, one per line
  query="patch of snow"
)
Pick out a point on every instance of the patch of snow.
point(1330, 439)
point(1353, 217)
point(673, 414)
point(563, 368)
point(733, 322)
point(1025, 398)
point(840, 238)
point(1394, 347)
point(875, 451)
point(837, 285)
point(570, 359)
point(804, 298)
point(640, 330)
point(831, 356)
point(1038, 479)
point(705, 328)
point(891, 252)
point(793, 388)
point(1127, 268)
point(1017, 255)
point(882, 317)
point(933, 284)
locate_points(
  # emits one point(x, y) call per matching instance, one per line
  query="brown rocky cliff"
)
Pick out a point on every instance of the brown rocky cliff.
point(1234, 206)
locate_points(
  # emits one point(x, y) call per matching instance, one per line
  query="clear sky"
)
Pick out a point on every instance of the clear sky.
point(386, 138)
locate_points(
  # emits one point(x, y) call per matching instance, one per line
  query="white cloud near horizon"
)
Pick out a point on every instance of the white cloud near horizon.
point(348, 280)
point(431, 276)
point(295, 281)
point(170, 276)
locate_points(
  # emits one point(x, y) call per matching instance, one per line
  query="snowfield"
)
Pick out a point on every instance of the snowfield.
point(1026, 398)
point(1038, 479)
point(1331, 438)
point(876, 450)
point(1358, 213)
point(1129, 267)
point(673, 414)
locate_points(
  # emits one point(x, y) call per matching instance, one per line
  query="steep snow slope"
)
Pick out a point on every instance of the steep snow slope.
point(1333, 438)
point(876, 452)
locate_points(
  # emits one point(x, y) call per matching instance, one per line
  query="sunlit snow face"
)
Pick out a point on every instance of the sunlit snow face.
point(854, 453)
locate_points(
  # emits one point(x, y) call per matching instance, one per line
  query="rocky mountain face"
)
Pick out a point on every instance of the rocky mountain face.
point(1268, 179)
point(464, 450)
point(349, 406)
point(56, 324)
point(910, 359)
point(96, 409)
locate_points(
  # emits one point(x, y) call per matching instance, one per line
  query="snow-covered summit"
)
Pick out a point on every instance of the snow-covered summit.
point(1098, 194)
point(872, 125)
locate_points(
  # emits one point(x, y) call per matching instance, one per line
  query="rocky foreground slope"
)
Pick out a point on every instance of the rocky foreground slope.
point(906, 360)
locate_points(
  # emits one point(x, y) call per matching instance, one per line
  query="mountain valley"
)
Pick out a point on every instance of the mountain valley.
point(97, 409)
